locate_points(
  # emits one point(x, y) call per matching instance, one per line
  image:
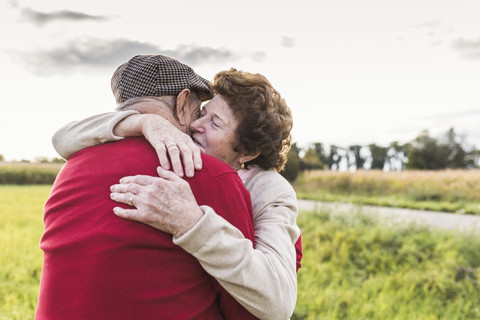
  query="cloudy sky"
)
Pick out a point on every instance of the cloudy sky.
point(352, 71)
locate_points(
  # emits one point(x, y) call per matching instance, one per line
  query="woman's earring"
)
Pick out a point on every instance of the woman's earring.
point(242, 166)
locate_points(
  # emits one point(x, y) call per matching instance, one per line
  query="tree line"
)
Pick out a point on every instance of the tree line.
point(450, 151)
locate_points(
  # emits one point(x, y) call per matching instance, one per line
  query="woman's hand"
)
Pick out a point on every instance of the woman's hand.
point(166, 139)
point(165, 202)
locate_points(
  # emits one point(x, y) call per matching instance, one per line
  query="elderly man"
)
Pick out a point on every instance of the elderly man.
point(98, 266)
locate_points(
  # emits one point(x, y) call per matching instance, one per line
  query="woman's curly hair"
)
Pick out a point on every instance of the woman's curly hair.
point(265, 121)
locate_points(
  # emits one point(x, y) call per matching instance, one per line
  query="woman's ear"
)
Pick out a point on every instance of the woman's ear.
point(181, 106)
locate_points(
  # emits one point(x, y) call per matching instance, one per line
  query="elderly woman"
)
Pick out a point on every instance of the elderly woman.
point(247, 125)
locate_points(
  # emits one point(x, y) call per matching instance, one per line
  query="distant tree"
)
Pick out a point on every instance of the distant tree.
point(46, 160)
point(320, 151)
point(474, 155)
point(41, 160)
point(457, 157)
point(295, 148)
point(57, 160)
point(2, 158)
point(292, 167)
point(354, 157)
point(311, 161)
point(333, 158)
point(429, 153)
point(397, 155)
point(425, 154)
point(378, 156)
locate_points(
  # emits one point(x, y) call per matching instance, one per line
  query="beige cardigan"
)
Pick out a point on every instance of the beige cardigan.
point(263, 279)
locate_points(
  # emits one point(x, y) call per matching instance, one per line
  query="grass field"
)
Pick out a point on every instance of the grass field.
point(353, 267)
point(21, 227)
point(358, 268)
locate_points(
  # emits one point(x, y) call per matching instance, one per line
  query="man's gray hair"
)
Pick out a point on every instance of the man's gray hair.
point(133, 102)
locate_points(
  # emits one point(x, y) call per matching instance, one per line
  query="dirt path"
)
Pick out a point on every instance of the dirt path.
point(441, 220)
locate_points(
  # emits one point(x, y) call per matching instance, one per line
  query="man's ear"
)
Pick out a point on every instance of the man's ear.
point(181, 107)
point(245, 157)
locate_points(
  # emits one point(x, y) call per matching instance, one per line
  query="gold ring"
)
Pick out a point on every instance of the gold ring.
point(130, 202)
point(171, 145)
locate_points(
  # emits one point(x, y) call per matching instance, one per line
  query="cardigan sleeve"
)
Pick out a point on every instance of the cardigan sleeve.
point(264, 279)
point(88, 132)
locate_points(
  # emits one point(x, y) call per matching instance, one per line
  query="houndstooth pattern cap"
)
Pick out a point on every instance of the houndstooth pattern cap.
point(156, 75)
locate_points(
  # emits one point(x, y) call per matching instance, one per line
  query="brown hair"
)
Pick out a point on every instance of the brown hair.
point(265, 121)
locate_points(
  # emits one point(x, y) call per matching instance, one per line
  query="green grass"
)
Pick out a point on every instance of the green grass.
point(357, 268)
point(353, 267)
point(21, 227)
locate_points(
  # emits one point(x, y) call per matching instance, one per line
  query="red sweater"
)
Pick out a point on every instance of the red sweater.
point(99, 266)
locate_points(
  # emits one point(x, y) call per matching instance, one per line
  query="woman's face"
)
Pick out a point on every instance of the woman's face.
point(214, 131)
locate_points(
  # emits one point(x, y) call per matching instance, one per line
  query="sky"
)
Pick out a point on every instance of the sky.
point(352, 71)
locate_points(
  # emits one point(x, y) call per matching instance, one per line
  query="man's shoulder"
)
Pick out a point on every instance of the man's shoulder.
point(127, 145)
point(216, 167)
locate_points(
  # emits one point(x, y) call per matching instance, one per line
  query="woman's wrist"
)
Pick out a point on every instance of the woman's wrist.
point(188, 221)
point(131, 126)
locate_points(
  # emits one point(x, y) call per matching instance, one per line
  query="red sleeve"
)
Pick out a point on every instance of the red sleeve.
point(234, 204)
point(299, 249)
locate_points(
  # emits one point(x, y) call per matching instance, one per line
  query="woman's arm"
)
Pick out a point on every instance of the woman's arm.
point(88, 132)
point(115, 126)
point(263, 280)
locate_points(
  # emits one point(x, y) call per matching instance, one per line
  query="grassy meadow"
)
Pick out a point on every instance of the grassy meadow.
point(353, 267)
point(21, 227)
point(446, 190)
point(358, 268)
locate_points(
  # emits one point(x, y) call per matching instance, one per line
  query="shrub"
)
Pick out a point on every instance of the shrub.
point(28, 173)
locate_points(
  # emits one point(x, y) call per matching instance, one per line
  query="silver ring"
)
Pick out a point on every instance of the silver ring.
point(130, 202)
point(171, 145)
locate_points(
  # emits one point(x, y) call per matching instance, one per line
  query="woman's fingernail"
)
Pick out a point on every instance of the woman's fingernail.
point(112, 188)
